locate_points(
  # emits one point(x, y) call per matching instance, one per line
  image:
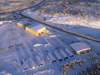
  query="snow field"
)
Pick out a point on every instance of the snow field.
point(23, 46)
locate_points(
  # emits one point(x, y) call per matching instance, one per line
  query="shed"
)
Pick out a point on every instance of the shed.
point(23, 23)
point(39, 61)
point(63, 54)
point(36, 29)
point(3, 16)
point(51, 58)
point(24, 65)
point(58, 56)
point(69, 53)
point(80, 47)
point(31, 62)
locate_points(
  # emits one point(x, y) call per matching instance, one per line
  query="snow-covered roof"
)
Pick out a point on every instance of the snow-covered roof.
point(51, 57)
point(63, 54)
point(57, 55)
point(79, 46)
point(24, 65)
point(31, 62)
point(36, 27)
point(23, 22)
point(3, 15)
point(38, 60)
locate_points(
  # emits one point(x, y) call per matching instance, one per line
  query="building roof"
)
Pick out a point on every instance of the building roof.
point(36, 27)
point(79, 46)
point(3, 15)
point(23, 22)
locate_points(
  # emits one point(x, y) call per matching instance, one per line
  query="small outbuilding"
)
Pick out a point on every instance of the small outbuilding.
point(36, 29)
point(63, 54)
point(24, 65)
point(80, 47)
point(31, 62)
point(58, 56)
point(69, 52)
point(3, 16)
point(52, 59)
point(39, 61)
point(23, 23)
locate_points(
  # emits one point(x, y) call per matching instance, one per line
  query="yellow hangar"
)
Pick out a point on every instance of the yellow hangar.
point(36, 29)
point(23, 23)
point(3, 16)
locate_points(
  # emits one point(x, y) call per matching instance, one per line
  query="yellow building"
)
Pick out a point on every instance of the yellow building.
point(3, 16)
point(36, 29)
point(23, 23)
point(80, 47)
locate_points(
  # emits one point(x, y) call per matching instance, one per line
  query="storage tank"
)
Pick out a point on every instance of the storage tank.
point(52, 59)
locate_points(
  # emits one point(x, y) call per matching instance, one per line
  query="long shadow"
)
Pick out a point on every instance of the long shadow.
point(30, 46)
point(18, 52)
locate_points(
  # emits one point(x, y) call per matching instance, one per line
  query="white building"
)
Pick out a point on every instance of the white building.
point(52, 59)
point(80, 47)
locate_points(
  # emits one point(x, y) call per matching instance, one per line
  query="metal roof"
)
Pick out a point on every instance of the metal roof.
point(23, 22)
point(36, 27)
point(79, 46)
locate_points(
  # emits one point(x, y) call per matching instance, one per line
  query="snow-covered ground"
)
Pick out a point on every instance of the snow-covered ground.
point(17, 44)
point(87, 26)
point(90, 27)
point(78, 16)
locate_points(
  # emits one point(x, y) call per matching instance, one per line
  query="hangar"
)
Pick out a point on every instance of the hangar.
point(36, 29)
point(80, 47)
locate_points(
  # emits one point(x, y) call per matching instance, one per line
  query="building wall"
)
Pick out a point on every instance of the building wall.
point(83, 50)
point(20, 24)
point(41, 30)
point(32, 31)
